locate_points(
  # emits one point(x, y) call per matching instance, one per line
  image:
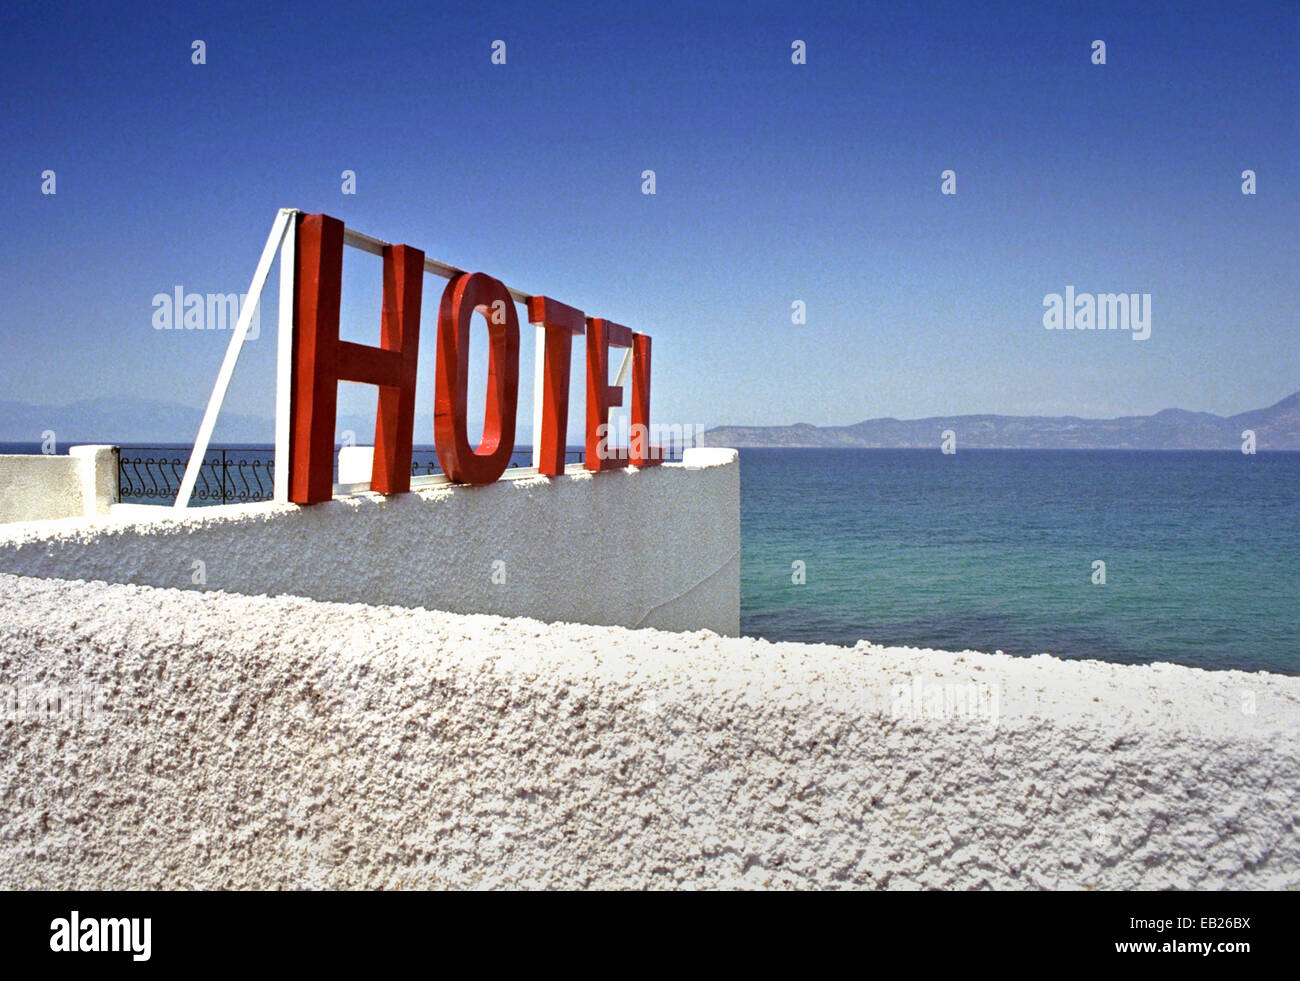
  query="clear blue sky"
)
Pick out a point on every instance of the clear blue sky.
point(775, 182)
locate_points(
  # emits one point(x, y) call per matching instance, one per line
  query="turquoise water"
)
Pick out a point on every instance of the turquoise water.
point(994, 549)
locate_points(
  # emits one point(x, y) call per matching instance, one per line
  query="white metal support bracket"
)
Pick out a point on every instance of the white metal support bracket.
point(278, 229)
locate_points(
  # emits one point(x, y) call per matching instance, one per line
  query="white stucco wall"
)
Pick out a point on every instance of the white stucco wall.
point(99, 476)
point(658, 547)
point(254, 742)
point(40, 487)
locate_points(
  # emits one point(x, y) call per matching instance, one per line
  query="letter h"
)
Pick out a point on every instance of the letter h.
point(321, 360)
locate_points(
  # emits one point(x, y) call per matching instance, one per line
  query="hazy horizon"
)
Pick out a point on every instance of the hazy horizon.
point(361, 426)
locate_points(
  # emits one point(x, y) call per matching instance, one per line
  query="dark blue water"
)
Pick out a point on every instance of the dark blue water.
point(994, 549)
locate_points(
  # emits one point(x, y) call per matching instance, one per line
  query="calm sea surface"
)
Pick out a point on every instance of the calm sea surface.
point(994, 549)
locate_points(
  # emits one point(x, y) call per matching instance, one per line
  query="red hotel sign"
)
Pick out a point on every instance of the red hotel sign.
point(321, 360)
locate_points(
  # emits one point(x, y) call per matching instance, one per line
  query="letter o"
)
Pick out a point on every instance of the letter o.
point(464, 295)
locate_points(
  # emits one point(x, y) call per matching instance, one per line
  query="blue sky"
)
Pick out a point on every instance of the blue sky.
point(775, 182)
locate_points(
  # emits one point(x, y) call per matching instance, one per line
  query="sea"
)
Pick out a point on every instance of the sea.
point(1133, 557)
point(1006, 549)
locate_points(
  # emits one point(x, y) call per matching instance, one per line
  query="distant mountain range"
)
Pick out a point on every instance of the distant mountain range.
point(124, 420)
point(146, 421)
point(1276, 428)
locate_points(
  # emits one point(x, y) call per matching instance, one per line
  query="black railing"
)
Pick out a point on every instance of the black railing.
point(153, 474)
point(426, 464)
point(235, 476)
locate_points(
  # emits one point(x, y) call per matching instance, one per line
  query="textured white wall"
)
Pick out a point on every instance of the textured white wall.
point(99, 477)
point(658, 547)
point(44, 487)
point(254, 742)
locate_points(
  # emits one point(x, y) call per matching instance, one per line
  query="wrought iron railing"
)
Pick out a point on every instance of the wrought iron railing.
point(425, 464)
point(152, 475)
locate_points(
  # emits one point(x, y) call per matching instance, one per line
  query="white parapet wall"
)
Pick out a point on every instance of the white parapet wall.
point(43, 487)
point(163, 738)
point(658, 547)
